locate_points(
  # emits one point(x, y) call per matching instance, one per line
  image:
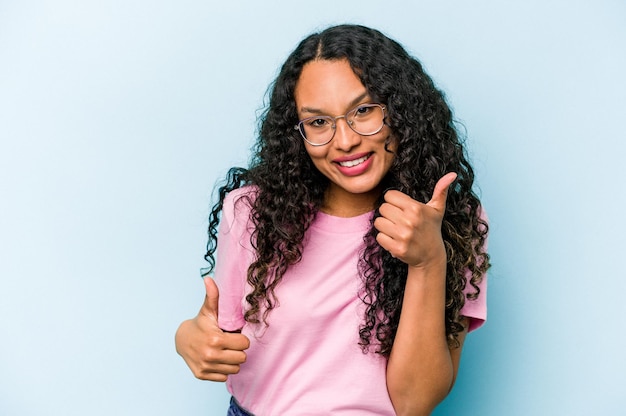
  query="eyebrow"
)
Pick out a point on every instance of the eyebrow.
point(352, 103)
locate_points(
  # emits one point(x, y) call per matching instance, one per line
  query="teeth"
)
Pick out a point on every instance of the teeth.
point(354, 162)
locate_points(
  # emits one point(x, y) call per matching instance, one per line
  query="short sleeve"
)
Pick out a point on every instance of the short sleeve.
point(234, 255)
point(476, 310)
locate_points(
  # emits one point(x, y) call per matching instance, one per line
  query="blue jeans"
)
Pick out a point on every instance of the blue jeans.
point(236, 410)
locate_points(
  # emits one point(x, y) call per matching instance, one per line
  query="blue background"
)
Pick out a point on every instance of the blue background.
point(117, 118)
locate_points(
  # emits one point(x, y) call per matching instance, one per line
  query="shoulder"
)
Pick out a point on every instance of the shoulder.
point(240, 200)
point(237, 208)
point(482, 213)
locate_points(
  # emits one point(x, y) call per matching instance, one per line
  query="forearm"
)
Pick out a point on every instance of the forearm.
point(420, 370)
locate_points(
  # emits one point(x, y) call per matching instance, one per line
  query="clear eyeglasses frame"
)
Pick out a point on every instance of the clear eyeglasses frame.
point(364, 119)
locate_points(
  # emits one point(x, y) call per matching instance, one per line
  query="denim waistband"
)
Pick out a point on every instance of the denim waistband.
point(236, 410)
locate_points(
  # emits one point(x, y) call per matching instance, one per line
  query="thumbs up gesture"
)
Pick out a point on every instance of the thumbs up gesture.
point(210, 353)
point(411, 230)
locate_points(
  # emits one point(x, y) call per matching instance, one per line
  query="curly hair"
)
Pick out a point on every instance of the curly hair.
point(290, 190)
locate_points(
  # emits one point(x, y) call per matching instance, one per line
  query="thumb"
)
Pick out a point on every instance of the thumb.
point(211, 300)
point(440, 193)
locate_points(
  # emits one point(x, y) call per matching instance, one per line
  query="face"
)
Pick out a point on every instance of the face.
point(354, 164)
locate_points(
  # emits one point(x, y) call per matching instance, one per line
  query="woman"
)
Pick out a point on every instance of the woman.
point(351, 259)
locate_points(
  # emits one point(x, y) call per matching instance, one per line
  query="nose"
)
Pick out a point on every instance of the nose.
point(345, 138)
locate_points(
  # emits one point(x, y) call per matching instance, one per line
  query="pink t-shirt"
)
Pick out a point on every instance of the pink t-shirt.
point(308, 361)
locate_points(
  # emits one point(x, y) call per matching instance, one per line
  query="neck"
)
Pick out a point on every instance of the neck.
point(345, 204)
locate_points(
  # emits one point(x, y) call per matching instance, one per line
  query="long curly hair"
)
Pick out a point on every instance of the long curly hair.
point(290, 190)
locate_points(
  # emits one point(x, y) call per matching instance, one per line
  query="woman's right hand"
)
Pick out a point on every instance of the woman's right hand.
point(210, 353)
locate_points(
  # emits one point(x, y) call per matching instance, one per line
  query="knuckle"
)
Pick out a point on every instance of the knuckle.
point(217, 377)
point(404, 235)
point(402, 251)
point(199, 374)
point(209, 355)
point(415, 211)
point(215, 339)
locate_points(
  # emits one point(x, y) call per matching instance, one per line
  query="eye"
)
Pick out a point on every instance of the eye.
point(363, 110)
point(317, 122)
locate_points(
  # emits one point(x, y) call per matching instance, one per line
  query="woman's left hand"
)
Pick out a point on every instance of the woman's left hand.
point(411, 230)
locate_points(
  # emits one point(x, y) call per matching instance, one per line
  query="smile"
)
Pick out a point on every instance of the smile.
point(351, 163)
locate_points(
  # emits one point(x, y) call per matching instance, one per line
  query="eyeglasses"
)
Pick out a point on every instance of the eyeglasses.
point(364, 119)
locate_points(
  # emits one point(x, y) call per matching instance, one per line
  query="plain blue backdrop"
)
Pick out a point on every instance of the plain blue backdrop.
point(117, 118)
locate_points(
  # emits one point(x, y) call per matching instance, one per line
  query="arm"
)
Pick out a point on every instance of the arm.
point(210, 352)
point(421, 368)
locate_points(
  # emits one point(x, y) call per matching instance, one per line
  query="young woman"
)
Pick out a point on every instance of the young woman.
point(350, 255)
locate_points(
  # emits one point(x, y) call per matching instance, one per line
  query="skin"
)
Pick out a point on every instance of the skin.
point(332, 88)
point(210, 353)
point(422, 367)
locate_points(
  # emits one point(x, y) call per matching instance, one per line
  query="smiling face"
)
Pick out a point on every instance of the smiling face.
point(355, 164)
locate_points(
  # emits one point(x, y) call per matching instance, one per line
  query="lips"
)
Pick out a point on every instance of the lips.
point(354, 165)
point(353, 162)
